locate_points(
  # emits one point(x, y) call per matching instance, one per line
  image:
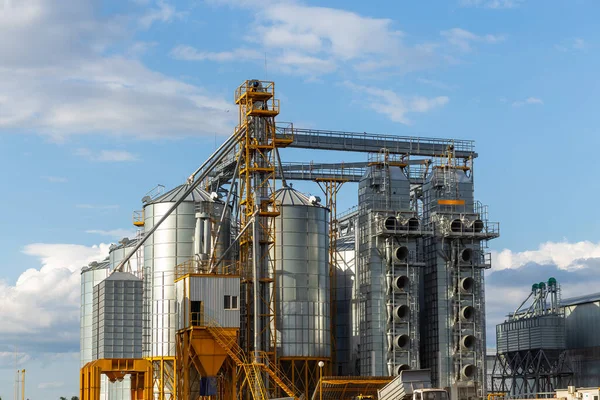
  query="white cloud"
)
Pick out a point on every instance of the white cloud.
point(494, 4)
point(106, 155)
point(164, 12)
point(57, 86)
point(576, 267)
point(55, 179)
point(564, 255)
point(394, 106)
point(189, 53)
point(529, 100)
point(51, 324)
point(113, 233)
point(310, 40)
point(50, 385)
point(463, 39)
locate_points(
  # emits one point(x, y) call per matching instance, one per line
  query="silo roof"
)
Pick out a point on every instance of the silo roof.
point(288, 196)
point(122, 276)
point(101, 265)
point(197, 196)
point(588, 298)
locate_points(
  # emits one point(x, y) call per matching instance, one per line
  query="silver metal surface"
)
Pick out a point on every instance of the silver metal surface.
point(210, 290)
point(117, 317)
point(372, 143)
point(453, 282)
point(119, 251)
point(389, 338)
point(302, 265)
point(90, 277)
point(543, 332)
point(171, 244)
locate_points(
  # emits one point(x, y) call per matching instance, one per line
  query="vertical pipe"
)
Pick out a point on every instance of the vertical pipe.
point(255, 277)
point(23, 385)
point(207, 235)
point(198, 235)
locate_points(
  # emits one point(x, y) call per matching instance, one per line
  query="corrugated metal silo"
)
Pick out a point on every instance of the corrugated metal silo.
point(120, 250)
point(303, 297)
point(91, 276)
point(185, 235)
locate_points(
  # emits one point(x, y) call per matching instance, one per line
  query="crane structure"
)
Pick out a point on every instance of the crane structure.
point(244, 174)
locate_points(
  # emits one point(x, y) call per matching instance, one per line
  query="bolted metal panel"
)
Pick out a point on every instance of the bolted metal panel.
point(172, 244)
point(90, 277)
point(117, 316)
point(542, 332)
point(302, 265)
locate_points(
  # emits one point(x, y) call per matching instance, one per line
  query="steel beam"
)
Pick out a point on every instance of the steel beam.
point(373, 143)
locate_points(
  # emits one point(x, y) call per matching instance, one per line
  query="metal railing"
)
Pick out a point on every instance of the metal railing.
point(202, 267)
point(369, 142)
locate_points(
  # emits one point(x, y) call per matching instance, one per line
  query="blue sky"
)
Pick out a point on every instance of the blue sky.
point(102, 100)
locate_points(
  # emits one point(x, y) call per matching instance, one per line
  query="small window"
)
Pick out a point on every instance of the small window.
point(230, 302)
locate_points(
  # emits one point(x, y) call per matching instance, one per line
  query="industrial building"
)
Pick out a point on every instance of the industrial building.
point(239, 286)
point(547, 344)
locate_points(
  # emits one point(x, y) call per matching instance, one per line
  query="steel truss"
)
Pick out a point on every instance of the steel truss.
point(532, 373)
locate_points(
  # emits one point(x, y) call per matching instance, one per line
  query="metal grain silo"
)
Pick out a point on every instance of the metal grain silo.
point(120, 250)
point(173, 243)
point(91, 276)
point(303, 292)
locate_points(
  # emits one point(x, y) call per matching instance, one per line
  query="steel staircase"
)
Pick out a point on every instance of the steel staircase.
point(252, 369)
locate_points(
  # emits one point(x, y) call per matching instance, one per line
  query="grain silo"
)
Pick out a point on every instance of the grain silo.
point(303, 296)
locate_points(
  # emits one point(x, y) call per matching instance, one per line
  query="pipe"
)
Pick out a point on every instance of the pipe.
point(206, 222)
point(208, 165)
point(255, 277)
point(198, 234)
point(222, 219)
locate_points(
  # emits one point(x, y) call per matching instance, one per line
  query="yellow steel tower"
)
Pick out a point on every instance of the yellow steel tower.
point(257, 211)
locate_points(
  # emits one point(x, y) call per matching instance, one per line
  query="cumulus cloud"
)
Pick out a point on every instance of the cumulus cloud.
point(51, 324)
point(463, 40)
point(529, 100)
point(163, 12)
point(576, 266)
point(60, 86)
point(394, 106)
point(106, 155)
point(312, 40)
point(564, 255)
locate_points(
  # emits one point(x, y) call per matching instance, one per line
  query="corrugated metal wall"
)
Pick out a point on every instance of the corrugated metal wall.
point(211, 291)
point(583, 342)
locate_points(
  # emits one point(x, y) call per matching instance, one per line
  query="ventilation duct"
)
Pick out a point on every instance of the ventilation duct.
point(400, 283)
point(466, 285)
point(401, 313)
point(468, 372)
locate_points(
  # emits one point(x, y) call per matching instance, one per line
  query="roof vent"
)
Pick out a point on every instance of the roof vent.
point(146, 199)
point(214, 196)
point(314, 199)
